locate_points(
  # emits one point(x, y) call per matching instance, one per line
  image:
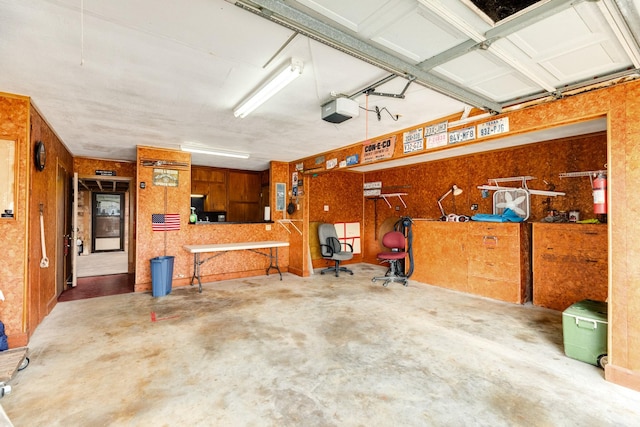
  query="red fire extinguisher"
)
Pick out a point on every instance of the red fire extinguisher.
point(600, 194)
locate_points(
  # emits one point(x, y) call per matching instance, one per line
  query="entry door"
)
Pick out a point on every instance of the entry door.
point(74, 231)
point(107, 222)
point(63, 261)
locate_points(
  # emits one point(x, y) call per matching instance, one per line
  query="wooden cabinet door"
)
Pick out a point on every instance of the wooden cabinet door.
point(570, 264)
point(441, 249)
point(495, 267)
point(212, 183)
point(199, 173)
point(217, 200)
point(200, 187)
point(244, 196)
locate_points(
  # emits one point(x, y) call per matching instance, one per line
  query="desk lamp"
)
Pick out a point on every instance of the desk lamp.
point(456, 192)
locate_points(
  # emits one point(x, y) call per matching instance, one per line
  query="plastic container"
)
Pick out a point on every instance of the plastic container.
point(584, 327)
point(161, 275)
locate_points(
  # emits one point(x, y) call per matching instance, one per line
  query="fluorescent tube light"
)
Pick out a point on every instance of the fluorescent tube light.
point(283, 78)
point(215, 152)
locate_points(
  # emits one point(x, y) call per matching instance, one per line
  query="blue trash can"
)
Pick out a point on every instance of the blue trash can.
point(161, 275)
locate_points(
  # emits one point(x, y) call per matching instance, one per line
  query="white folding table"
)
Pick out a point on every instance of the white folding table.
point(221, 248)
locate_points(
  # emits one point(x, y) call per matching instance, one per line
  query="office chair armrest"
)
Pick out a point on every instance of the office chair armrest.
point(328, 252)
point(349, 245)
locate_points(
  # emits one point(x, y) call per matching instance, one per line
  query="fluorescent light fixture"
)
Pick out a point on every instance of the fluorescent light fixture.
point(283, 78)
point(215, 152)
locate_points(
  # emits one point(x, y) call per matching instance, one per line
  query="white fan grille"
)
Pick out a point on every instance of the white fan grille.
point(517, 199)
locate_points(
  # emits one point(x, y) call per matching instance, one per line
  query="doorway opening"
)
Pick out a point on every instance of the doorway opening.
point(104, 238)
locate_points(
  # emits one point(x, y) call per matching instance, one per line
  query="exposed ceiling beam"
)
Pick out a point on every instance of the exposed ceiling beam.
point(279, 12)
point(449, 54)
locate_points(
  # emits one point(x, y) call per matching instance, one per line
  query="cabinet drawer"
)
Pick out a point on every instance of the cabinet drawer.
point(491, 247)
point(570, 237)
point(504, 290)
point(579, 256)
point(493, 229)
point(499, 270)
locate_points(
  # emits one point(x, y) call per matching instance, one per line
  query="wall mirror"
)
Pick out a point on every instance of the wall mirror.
point(7, 178)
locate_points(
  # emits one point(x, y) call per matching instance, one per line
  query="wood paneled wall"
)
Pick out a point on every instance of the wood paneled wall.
point(30, 290)
point(425, 183)
point(341, 192)
point(50, 189)
point(14, 126)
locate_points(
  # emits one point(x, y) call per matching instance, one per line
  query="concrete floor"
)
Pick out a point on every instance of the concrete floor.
point(316, 351)
point(103, 263)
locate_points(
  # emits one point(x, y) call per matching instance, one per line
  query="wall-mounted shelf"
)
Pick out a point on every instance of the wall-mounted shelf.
point(523, 180)
point(386, 196)
point(285, 222)
point(578, 174)
point(590, 174)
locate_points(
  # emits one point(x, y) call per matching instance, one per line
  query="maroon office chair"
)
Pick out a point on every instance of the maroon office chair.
point(395, 242)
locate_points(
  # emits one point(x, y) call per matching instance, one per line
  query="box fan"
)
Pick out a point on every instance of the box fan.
point(516, 199)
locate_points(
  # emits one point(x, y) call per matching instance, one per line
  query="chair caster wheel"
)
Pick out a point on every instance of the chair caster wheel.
point(24, 364)
point(322, 272)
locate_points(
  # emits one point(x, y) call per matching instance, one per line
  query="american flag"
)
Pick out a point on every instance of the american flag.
point(165, 222)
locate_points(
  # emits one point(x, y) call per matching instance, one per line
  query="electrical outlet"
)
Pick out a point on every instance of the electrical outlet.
point(268, 227)
point(397, 208)
point(474, 207)
point(326, 208)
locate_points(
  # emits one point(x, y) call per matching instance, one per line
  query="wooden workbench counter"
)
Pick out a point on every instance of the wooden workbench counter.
point(482, 258)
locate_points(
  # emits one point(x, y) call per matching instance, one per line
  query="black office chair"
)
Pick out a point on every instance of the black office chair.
point(331, 249)
point(395, 242)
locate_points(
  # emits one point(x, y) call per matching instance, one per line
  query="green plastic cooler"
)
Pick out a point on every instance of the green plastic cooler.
point(584, 326)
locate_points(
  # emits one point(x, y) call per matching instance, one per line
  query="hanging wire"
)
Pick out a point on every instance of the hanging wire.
point(379, 111)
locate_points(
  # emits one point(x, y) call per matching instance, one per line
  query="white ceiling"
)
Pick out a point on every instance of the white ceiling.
point(111, 75)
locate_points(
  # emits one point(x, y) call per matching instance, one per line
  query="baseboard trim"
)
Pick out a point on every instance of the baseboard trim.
point(17, 340)
point(622, 376)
